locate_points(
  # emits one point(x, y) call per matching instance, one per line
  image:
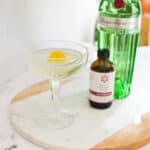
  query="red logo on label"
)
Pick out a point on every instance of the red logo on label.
point(104, 78)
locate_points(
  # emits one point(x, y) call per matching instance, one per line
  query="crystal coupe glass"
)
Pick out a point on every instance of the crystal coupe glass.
point(58, 60)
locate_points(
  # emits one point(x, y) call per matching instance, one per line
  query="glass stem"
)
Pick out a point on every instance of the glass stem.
point(54, 90)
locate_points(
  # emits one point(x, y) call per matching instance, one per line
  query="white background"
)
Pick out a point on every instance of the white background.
point(12, 37)
point(23, 21)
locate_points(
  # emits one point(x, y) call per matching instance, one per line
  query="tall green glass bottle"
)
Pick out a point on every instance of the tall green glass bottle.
point(118, 30)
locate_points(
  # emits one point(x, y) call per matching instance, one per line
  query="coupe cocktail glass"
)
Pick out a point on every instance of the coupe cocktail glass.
point(58, 60)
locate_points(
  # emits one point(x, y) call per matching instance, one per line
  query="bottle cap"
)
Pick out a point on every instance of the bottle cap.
point(119, 3)
point(103, 53)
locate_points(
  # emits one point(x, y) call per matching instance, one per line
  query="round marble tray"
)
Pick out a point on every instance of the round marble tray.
point(90, 126)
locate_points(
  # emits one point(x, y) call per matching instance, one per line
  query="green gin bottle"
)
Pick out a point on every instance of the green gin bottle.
point(118, 30)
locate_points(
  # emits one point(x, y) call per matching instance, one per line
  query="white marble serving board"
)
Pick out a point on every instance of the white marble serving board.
point(90, 126)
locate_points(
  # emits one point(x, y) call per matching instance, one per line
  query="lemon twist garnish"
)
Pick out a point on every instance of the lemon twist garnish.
point(56, 56)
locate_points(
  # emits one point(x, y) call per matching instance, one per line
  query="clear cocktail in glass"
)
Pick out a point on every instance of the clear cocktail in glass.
point(58, 60)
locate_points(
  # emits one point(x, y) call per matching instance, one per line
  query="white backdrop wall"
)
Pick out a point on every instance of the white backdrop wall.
point(23, 21)
point(61, 19)
point(12, 37)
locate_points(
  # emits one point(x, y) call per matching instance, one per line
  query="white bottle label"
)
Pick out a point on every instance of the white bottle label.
point(101, 87)
point(122, 23)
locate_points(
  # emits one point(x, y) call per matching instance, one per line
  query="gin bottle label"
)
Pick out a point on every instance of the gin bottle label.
point(121, 23)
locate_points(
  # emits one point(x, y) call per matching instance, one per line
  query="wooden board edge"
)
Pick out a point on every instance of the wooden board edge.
point(34, 89)
point(131, 137)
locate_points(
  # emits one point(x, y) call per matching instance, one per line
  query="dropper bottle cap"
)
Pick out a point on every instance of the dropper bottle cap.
point(103, 53)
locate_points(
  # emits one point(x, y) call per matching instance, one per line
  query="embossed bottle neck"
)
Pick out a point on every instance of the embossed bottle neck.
point(125, 8)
